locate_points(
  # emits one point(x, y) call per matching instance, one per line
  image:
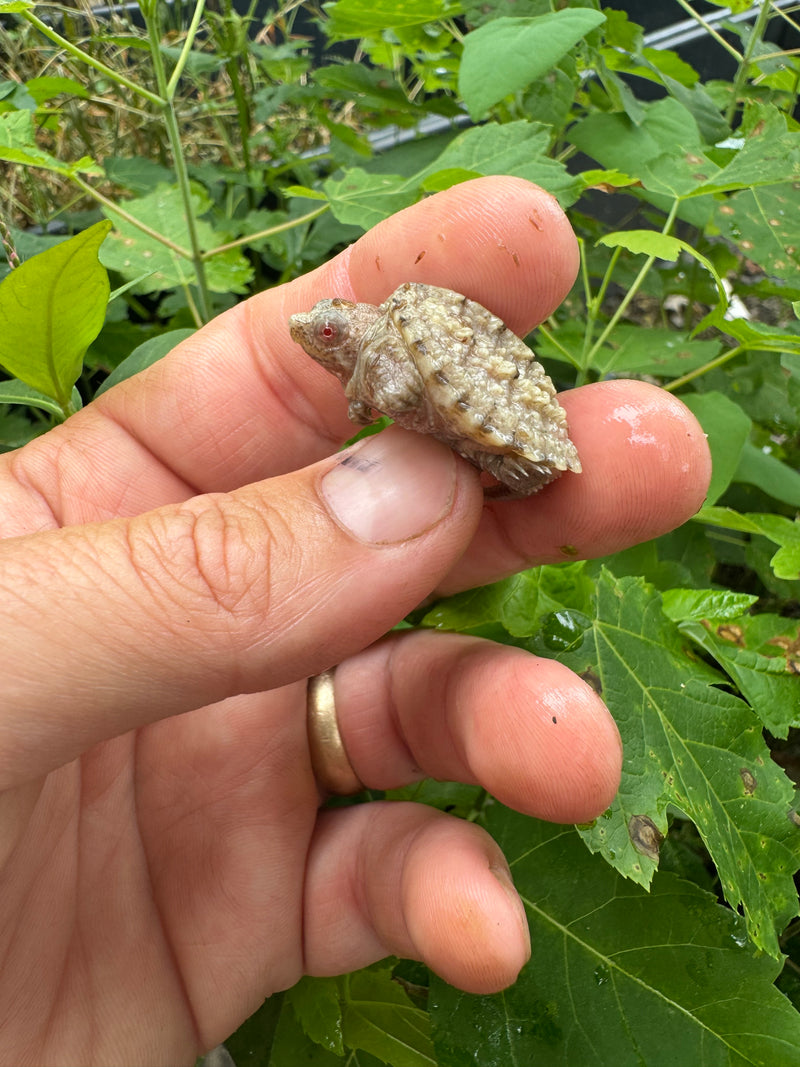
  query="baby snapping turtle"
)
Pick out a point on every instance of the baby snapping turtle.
point(439, 363)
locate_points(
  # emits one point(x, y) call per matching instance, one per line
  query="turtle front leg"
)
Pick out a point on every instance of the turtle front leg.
point(360, 413)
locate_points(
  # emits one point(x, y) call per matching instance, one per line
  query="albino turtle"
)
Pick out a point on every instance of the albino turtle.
point(439, 363)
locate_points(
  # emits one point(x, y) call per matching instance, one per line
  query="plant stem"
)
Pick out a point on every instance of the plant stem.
point(179, 250)
point(280, 228)
point(718, 361)
point(178, 158)
point(631, 293)
point(550, 336)
point(187, 47)
point(741, 74)
point(710, 30)
point(90, 61)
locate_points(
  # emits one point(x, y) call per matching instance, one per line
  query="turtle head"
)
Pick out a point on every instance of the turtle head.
point(332, 332)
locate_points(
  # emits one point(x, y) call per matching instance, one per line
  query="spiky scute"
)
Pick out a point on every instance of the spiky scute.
point(440, 363)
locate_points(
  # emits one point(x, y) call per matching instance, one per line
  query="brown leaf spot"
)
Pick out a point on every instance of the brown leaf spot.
point(748, 780)
point(645, 836)
point(593, 680)
point(729, 632)
point(726, 210)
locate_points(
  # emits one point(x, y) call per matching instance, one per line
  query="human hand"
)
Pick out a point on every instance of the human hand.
point(181, 555)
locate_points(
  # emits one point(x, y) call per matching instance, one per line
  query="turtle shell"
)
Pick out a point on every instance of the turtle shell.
point(483, 390)
point(440, 363)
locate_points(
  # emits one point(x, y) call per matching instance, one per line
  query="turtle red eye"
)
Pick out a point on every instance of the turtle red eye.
point(330, 331)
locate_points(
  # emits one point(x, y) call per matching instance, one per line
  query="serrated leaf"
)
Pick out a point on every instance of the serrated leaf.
point(518, 603)
point(728, 430)
point(132, 252)
point(765, 224)
point(51, 308)
point(316, 1004)
point(362, 199)
point(618, 976)
point(770, 687)
point(529, 48)
point(518, 148)
point(692, 745)
point(379, 1018)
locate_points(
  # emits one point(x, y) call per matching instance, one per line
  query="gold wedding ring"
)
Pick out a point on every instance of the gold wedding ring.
point(329, 760)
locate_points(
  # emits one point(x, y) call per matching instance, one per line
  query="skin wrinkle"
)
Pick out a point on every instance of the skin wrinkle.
point(164, 925)
point(390, 678)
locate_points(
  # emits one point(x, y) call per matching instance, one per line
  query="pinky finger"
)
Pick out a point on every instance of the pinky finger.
point(402, 879)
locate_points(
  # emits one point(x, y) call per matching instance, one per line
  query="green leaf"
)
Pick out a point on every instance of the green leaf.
point(8, 7)
point(662, 246)
point(768, 684)
point(316, 1005)
point(18, 145)
point(693, 746)
point(379, 1018)
point(363, 199)
point(445, 179)
point(728, 430)
point(16, 392)
point(250, 1045)
point(519, 148)
point(143, 356)
point(683, 605)
point(618, 976)
point(765, 224)
point(365, 18)
point(51, 308)
point(782, 531)
point(518, 603)
point(131, 252)
point(655, 351)
point(44, 89)
point(529, 48)
point(768, 473)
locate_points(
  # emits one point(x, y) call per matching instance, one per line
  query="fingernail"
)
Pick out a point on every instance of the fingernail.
point(391, 487)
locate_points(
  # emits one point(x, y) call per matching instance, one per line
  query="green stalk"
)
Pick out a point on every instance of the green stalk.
point(710, 30)
point(90, 61)
point(547, 333)
point(593, 304)
point(718, 361)
point(741, 73)
point(280, 228)
point(178, 158)
point(187, 47)
point(634, 289)
point(109, 205)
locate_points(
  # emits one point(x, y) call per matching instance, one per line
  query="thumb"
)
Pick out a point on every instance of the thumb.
point(117, 624)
